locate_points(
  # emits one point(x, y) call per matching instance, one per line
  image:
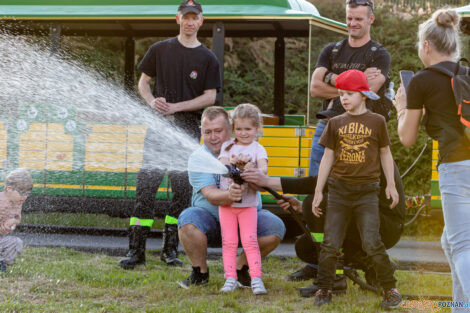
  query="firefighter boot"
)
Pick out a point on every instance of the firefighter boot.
point(136, 255)
point(169, 253)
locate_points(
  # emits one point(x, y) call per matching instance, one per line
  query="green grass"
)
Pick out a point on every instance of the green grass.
point(63, 280)
point(72, 219)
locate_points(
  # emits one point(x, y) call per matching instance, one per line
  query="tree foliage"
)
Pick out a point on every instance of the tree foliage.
point(249, 70)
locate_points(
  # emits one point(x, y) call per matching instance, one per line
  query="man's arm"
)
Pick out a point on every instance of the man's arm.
point(160, 105)
point(387, 164)
point(204, 100)
point(218, 196)
point(375, 78)
point(257, 177)
point(144, 89)
point(378, 70)
point(320, 89)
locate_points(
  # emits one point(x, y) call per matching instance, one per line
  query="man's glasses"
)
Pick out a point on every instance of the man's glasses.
point(361, 2)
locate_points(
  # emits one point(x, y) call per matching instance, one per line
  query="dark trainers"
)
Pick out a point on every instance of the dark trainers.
point(305, 273)
point(244, 277)
point(391, 299)
point(197, 278)
point(339, 287)
point(323, 296)
point(3, 267)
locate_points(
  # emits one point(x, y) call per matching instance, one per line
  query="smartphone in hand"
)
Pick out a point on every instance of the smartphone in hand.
point(406, 78)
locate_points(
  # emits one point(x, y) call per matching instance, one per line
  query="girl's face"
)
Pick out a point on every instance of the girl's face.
point(245, 130)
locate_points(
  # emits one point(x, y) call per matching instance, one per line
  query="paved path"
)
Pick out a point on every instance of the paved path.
point(408, 254)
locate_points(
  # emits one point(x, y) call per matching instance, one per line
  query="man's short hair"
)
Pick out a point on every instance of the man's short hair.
point(212, 112)
point(368, 3)
point(20, 180)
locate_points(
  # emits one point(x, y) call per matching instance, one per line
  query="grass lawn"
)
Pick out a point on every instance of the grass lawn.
point(63, 280)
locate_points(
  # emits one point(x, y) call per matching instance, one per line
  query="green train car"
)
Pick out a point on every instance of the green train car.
point(83, 165)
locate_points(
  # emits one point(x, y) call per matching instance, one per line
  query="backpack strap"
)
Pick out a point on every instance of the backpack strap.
point(335, 51)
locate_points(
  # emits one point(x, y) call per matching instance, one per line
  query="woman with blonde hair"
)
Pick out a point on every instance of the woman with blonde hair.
point(431, 90)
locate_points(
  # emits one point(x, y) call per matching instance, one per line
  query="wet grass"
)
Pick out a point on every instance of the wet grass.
point(72, 219)
point(63, 280)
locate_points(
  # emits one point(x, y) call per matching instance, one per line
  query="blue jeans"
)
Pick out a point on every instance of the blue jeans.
point(317, 151)
point(268, 224)
point(454, 184)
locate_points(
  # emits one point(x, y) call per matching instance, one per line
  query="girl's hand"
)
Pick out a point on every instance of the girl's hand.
point(317, 199)
point(249, 165)
point(400, 99)
point(289, 200)
point(233, 160)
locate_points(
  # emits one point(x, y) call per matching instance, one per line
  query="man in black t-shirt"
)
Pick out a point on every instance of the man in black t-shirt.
point(357, 51)
point(187, 78)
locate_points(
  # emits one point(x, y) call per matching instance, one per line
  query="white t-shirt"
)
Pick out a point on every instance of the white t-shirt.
point(257, 152)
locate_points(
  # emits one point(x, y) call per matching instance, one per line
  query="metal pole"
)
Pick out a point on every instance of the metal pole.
point(279, 83)
point(308, 70)
point(54, 35)
point(218, 46)
point(129, 59)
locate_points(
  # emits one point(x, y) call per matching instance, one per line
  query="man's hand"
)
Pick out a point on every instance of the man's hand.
point(372, 73)
point(317, 199)
point(164, 108)
point(235, 192)
point(392, 192)
point(255, 176)
point(289, 200)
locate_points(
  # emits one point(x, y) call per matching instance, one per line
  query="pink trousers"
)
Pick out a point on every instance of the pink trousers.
point(230, 218)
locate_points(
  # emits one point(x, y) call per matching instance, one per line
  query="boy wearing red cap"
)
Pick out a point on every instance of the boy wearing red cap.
point(353, 142)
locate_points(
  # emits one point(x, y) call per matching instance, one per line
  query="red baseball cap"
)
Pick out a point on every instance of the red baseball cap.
point(355, 80)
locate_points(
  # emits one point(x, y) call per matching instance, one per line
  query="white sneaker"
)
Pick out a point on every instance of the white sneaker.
point(258, 287)
point(230, 285)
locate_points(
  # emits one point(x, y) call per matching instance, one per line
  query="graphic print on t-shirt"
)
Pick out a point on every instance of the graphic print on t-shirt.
point(354, 140)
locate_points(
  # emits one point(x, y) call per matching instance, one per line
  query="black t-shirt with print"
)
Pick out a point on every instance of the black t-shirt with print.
point(356, 141)
point(348, 58)
point(181, 74)
point(433, 91)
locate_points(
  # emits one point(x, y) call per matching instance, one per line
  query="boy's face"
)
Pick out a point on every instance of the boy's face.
point(352, 101)
point(16, 197)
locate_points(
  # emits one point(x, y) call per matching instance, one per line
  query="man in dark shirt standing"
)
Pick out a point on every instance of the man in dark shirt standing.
point(187, 78)
point(359, 52)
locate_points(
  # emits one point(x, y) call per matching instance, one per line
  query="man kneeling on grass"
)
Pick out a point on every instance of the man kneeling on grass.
point(199, 225)
point(18, 186)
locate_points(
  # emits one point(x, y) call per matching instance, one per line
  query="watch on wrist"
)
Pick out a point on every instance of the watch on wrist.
point(328, 78)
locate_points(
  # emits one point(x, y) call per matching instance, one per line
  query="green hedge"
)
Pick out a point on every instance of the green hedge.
point(249, 68)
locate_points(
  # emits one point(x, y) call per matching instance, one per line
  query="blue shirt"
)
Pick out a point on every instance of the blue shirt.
point(201, 180)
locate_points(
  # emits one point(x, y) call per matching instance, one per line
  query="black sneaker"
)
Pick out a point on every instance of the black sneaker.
point(196, 278)
point(391, 299)
point(3, 267)
point(323, 296)
point(244, 277)
point(305, 273)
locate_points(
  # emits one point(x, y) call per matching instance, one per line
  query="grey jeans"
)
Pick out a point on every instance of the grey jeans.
point(10, 248)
